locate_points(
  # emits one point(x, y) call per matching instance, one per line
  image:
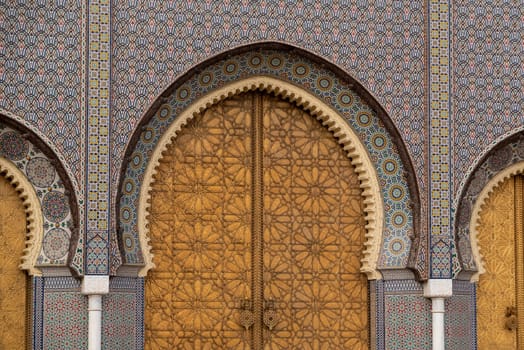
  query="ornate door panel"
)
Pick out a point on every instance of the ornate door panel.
point(13, 306)
point(313, 235)
point(257, 228)
point(500, 236)
point(200, 226)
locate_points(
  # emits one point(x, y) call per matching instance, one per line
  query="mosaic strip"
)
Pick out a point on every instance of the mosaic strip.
point(97, 124)
point(316, 80)
point(439, 138)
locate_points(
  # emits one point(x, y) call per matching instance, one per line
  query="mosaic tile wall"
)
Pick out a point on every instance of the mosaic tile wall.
point(64, 318)
point(460, 318)
point(488, 80)
point(123, 315)
point(380, 43)
point(41, 74)
point(407, 316)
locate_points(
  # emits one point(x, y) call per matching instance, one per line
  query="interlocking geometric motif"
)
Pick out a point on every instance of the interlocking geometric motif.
point(204, 235)
point(460, 317)
point(496, 289)
point(313, 235)
point(487, 81)
point(317, 80)
point(408, 322)
point(123, 311)
point(40, 75)
point(381, 44)
point(13, 289)
point(64, 318)
point(200, 230)
point(406, 315)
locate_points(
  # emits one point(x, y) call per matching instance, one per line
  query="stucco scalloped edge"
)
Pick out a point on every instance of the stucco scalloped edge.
point(496, 181)
point(33, 210)
point(373, 205)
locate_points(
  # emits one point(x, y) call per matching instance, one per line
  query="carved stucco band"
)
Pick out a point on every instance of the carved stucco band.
point(373, 204)
point(515, 169)
point(33, 210)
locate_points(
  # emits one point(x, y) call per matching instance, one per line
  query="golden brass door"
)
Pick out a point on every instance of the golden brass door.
point(500, 302)
point(257, 228)
point(13, 313)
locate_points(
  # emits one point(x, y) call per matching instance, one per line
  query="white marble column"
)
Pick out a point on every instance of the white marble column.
point(438, 290)
point(94, 287)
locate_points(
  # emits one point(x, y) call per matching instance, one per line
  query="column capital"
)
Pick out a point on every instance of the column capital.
point(95, 285)
point(438, 288)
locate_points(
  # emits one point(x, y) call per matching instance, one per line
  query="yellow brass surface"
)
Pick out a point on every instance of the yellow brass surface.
point(496, 288)
point(12, 280)
point(255, 200)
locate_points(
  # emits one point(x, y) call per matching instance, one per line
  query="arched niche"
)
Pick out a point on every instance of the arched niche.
point(504, 160)
point(48, 196)
point(341, 103)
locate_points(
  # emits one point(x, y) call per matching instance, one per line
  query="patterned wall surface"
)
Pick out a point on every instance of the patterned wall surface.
point(460, 320)
point(407, 316)
point(381, 44)
point(320, 82)
point(123, 315)
point(488, 80)
point(41, 73)
point(64, 320)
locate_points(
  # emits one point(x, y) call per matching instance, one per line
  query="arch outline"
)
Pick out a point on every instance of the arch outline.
point(373, 204)
point(489, 188)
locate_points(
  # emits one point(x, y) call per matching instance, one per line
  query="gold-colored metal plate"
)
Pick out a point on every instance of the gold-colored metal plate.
point(256, 200)
point(496, 288)
point(13, 314)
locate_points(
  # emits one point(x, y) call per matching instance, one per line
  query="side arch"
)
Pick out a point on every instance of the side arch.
point(49, 198)
point(503, 161)
point(319, 88)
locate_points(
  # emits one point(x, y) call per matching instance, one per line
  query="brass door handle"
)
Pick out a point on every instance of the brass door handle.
point(511, 318)
point(270, 314)
point(246, 314)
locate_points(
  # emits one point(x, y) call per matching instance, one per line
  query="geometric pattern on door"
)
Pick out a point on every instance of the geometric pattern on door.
point(500, 236)
point(13, 281)
point(257, 228)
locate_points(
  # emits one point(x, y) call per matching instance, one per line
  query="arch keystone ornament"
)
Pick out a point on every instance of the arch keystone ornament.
point(373, 203)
